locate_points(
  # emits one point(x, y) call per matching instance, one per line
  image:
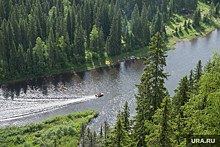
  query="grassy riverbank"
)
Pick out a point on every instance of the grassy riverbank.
point(191, 32)
point(58, 130)
point(174, 22)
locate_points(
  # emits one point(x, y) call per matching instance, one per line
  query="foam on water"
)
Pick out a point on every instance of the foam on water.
point(20, 107)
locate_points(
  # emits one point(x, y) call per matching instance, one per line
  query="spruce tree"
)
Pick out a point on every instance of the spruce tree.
point(151, 90)
point(91, 140)
point(119, 32)
point(189, 24)
point(101, 42)
point(83, 127)
point(69, 25)
point(162, 131)
point(79, 48)
point(191, 80)
point(29, 61)
point(180, 29)
point(94, 39)
point(12, 60)
point(127, 41)
point(125, 114)
point(101, 131)
point(181, 96)
point(198, 71)
point(21, 61)
point(113, 37)
point(176, 31)
point(94, 139)
point(180, 99)
point(119, 113)
point(51, 49)
point(120, 138)
point(106, 129)
point(87, 14)
point(185, 25)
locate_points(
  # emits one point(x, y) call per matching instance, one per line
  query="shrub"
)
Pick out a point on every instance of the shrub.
point(53, 119)
point(38, 133)
point(70, 116)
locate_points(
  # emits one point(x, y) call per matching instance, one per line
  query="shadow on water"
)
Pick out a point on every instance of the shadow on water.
point(127, 64)
point(56, 80)
point(107, 69)
point(100, 71)
point(67, 78)
point(117, 66)
point(81, 75)
point(13, 90)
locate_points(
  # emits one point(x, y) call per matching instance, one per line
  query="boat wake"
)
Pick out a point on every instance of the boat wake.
point(21, 107)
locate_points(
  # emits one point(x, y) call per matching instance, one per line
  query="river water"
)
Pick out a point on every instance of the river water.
point(37, 99)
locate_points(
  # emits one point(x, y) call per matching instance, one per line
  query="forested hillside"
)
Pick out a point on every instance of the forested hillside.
point(44, 36)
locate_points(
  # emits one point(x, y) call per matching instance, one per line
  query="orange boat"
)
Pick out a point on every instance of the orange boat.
point(99, 94)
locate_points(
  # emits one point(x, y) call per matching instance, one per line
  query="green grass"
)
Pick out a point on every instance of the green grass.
point(191, 32)
point(64, 129)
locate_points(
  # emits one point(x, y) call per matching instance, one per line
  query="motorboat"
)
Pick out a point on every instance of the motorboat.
point(99, 94)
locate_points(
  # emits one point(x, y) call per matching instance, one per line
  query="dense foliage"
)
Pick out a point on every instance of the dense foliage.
point(42, 36)
point(55, 131)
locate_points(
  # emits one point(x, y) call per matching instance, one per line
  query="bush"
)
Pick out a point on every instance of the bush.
point(38, 133)
point(53, 119)
point(70, 116)
point(29, 128)
point(78, 115)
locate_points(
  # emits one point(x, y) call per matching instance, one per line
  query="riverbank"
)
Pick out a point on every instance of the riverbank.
point(189, 33)
point(95, 64)
point(62, 130)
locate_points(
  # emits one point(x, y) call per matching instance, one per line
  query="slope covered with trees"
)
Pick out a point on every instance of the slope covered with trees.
point(44, 36)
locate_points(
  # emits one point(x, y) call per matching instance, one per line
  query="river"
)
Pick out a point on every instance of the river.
point(37, 99)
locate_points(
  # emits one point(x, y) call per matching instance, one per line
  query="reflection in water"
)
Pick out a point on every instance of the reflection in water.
point(48, 94)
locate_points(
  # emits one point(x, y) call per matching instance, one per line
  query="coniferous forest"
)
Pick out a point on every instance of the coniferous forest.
point(39, 36)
